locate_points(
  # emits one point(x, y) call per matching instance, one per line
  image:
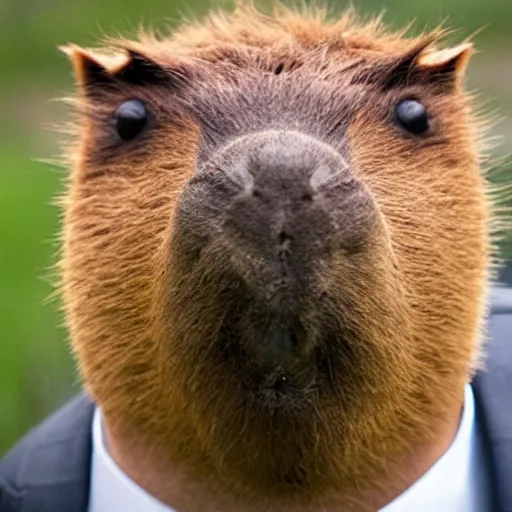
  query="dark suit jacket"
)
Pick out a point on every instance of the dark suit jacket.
point(48, 471)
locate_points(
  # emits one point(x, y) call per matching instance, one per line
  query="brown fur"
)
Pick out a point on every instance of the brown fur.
point(145, 317)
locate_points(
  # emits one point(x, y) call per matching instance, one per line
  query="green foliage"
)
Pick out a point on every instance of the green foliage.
point(36, 372)
point(35, 369)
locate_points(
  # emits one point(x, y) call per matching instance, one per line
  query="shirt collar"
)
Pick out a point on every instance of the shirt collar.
point(453, 483)
point(111, 488)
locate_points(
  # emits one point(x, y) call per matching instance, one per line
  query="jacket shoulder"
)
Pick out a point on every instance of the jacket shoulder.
point(499, 332)
point(501, 300)
point(52, 450)
point(492, 388)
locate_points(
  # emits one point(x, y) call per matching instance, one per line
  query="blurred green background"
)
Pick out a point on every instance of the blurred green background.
point(36, 370)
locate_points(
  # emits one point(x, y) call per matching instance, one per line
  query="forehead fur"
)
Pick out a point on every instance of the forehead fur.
point(284, 31)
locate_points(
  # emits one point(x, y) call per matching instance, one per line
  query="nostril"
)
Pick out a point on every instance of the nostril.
point(283, 238)
point(279, 68)
point(257, 193)
point(280, 384)
point(307, 196)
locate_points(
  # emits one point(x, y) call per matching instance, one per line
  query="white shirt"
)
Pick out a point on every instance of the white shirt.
point(457, 482)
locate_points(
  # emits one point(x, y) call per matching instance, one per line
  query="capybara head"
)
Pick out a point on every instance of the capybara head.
point(276, 244)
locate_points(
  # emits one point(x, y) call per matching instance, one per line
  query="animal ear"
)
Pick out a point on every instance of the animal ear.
point(93, 68)
point(422, 65)
point(445, 65)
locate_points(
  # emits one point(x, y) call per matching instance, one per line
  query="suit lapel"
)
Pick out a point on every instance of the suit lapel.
point(53, 464)
point(493, 395)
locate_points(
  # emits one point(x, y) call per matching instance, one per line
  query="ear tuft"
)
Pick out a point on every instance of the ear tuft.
point(92, 67)
point(450, 62)
point(425, 65)
point(122, 65)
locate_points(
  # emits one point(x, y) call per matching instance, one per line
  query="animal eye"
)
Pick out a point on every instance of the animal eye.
point(413, 116)
point(131, 117)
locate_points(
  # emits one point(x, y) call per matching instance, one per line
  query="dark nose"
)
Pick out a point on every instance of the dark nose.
point(283, 167)
point(281, 203)
point(298, 199)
